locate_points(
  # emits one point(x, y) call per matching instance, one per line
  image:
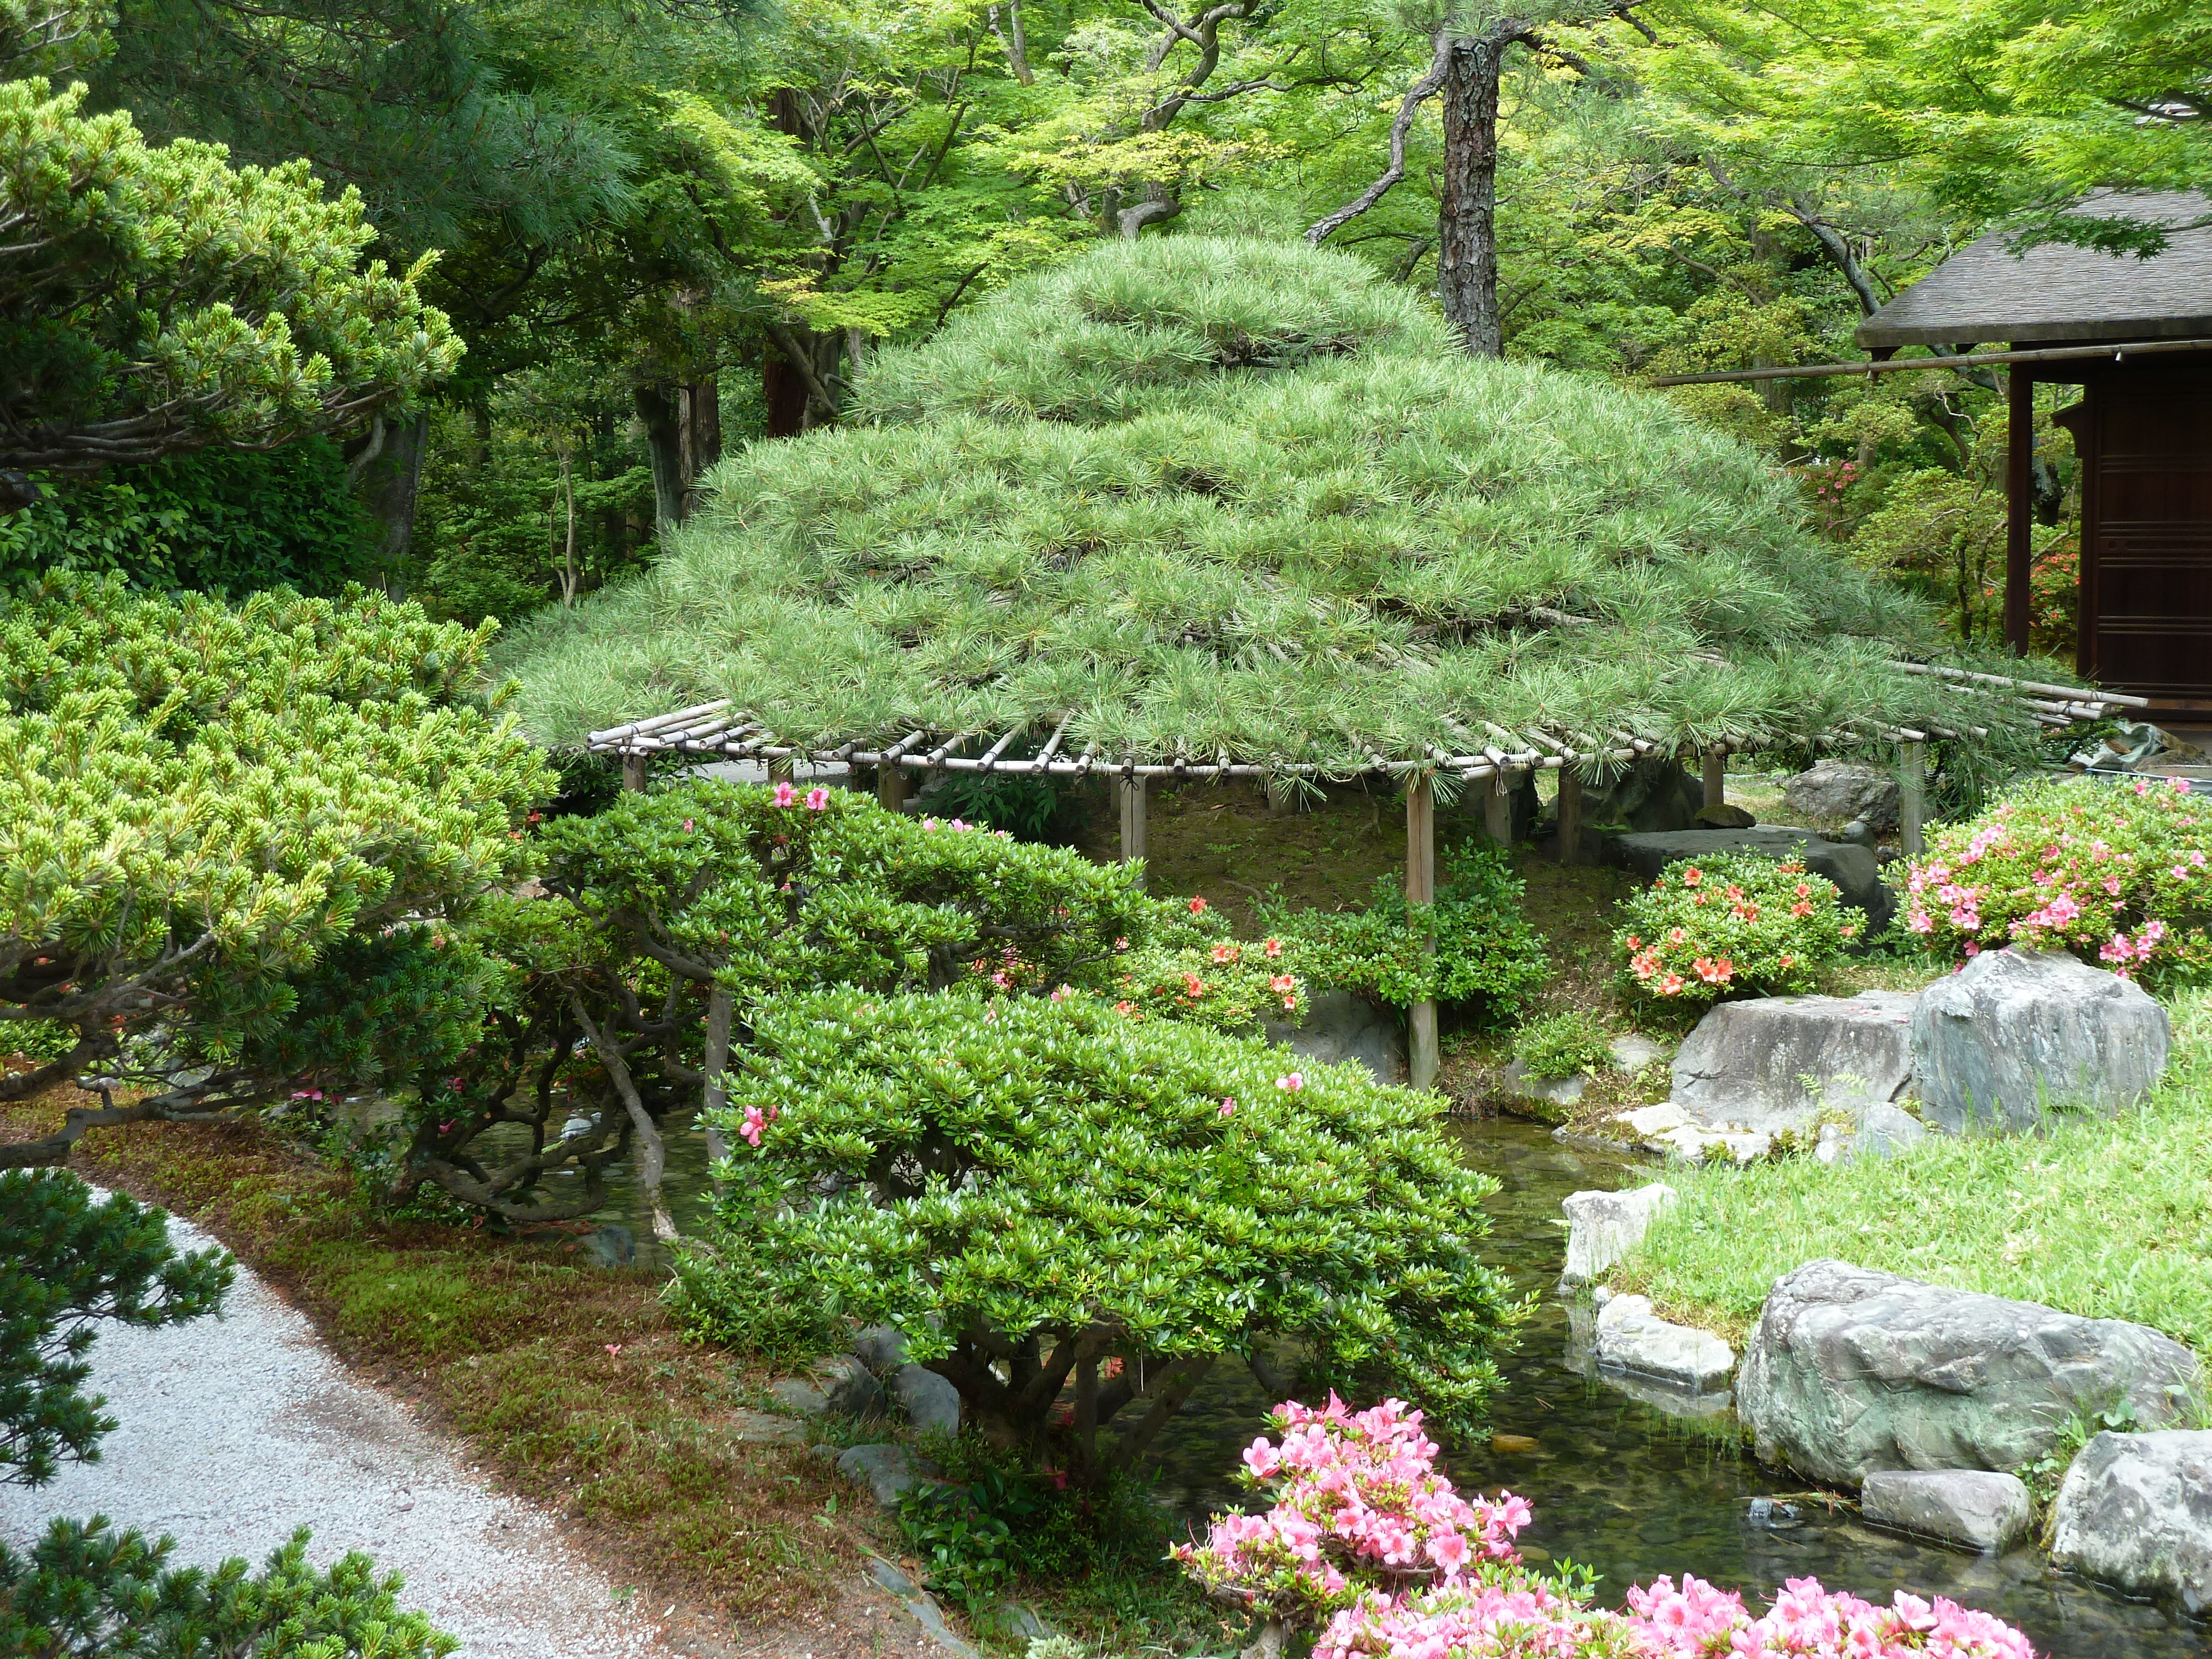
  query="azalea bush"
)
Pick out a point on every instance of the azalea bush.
point(1225, 983)
point(1072, 1215)
point(2115, 872)
point(1367, 1546)
point(1735, 924)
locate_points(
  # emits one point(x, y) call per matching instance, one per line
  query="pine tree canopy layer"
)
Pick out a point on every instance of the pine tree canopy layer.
point(1212, 495)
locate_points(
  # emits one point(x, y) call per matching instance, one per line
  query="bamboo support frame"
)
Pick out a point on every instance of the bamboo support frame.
point(1421, 1040)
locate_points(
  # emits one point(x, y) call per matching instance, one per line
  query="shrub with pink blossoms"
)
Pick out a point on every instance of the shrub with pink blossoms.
point(1808, 1622)
point(2120, 874)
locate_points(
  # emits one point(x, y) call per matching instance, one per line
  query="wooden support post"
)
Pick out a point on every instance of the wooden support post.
point(1911, 790)
point(2019, 481)
point(890, 786)
point(1570, 816)
point(1715, 777)
point(1421, 889)
point(634, 773)
point(1497, 810)
point(1132, 791)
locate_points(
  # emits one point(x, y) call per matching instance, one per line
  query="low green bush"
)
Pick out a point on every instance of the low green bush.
point(1730, 924)
point(1044, 1195)
point(1561, 1045)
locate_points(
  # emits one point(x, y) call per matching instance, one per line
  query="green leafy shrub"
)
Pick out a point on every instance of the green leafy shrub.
point(1561, 1045)
point(1486, 950)
point(1736, 923)
point(1026, 806)
point(2117, 874)
point(1040, 1195)
point(995, 1518)
point(1226, 984)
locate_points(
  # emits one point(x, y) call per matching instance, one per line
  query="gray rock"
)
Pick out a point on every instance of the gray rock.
point(1979, 1509)
point(1774, 1063)
point(2015, 1034)
point(930, 1401)
point(1669, 1131)
point(2136, 1510)
point(1651, 796)
point(1604, 1227)
point(1341, 1025)
point(1852, 1370)
point(881, 1348)
point(1668, 1399)
point(1857, 833)
point(1836, 791)
point(1632, 1051)
point(923, 1607)
point(1723, 817)
point(884, 1469)
point(1884, 1131)
point(763, 1428)
point(839, 1385)
point(1853, 869)
point(1518, 1081)
point(1629, 1338)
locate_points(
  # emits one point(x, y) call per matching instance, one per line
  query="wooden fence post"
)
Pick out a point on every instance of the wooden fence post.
point(1132, 790)
point(1497, 810)
point(1913, 797)
point(634, 773)
point(890, 786)
point(1715, 777)
point(1421, 1052)
point(1571, 816)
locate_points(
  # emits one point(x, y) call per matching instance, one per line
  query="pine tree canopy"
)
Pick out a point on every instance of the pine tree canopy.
point(1209, 494)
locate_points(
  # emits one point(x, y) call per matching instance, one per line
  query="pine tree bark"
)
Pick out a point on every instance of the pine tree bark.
point(1466, 212)
point(664, 443)
point(391, 483)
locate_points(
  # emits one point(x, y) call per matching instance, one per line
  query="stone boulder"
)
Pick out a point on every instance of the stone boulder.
point(930, 1401)
point(1852, 1370)
point(1650, 795)
point(2016, 1033)
point(1773, 1064)
point(1853, 869)
point(1837, 791)
point(1979, 1509)
point(839, 1386)
point(1602, 1228)
point(1670, 1132)
point(1887, 1131)
point(885, 1469)
point(1631, 1338)
point(1341, 1025)
point(2136, 1511)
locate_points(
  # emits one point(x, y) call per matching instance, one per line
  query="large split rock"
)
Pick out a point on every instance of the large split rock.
point(1853, 869)
point(1852, 1370)
point(2136, 1510)
point(2016, 1033)
point(1837, 791)
point(1651, 795)
point(1773, 1064)
point(1341, 1025)
point(1602, 1228)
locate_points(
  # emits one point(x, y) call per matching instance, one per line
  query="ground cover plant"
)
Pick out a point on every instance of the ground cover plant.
point(1052, 1196)
point(1562, 1045)
point(2119, 874)
point(2108, 1217)
point(1203, 494)
point(1729, 925)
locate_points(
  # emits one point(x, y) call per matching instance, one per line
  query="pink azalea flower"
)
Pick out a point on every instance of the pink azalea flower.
point(783, 793)
point(816, 798)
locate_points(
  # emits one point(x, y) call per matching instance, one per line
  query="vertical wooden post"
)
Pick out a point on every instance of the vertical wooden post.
point(1497, 810)
point(1421, 1054)
point(1570, 816)
point(891, 787)
point(634, 773)
point(1132, 791)
point(1912, 792)
point(2020, 482)
point(1715, 777)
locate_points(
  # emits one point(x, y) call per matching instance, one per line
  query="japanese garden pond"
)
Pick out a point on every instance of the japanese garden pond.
point(1619, 1484)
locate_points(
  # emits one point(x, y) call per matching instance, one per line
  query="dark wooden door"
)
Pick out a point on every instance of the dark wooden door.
point(2146, 442)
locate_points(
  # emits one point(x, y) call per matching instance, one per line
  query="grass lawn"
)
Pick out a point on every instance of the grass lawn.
point(2106, 1218)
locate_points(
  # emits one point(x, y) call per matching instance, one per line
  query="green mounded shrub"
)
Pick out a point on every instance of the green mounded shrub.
point(1046, 1196)
point(1485, 950)
point(2118, 873)
point(1562, 1045)
point(1730, 924)
point(1204, 494)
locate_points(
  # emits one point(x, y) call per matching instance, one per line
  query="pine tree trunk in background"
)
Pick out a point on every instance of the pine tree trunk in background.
point(702, 411)
point(663, 442)
point(785, 393)
point(389, 487)
point(1467, 215)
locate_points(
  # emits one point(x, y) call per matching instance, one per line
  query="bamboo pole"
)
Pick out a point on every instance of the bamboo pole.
point(891, 787)
point(634, 773)
point(1911, 788)
point(1421, 1049)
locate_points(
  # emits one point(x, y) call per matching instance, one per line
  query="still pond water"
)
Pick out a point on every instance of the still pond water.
point(1619, 1484)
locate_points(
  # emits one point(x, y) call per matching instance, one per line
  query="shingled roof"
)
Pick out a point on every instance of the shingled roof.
point(1985, 293)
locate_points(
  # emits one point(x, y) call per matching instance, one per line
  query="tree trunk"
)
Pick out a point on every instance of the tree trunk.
point(664, 441)
point(390, 485)
point(1466, 214)
point(785, 393)
point(700, 407)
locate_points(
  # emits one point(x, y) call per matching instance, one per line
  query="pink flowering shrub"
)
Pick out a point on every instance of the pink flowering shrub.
point(1731, 924)
point(2116, 873)
point(1367, 1544)
point(1230, 984)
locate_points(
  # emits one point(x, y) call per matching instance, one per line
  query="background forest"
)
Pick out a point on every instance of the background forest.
point(662, 229)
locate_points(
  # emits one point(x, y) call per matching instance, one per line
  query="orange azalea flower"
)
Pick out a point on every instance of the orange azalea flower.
point(1692, 876)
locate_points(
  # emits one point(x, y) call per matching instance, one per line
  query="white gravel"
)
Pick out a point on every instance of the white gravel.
point(235, 1430)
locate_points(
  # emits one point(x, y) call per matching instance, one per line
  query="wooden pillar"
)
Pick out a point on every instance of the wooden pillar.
point(1570, 816)
point(1912, 792)
point(891, 787)
point(1715, 777)
point(634, 772)
point(2020, 485)
point(1132, 791)
point(1497, 810)
point(1421, 889)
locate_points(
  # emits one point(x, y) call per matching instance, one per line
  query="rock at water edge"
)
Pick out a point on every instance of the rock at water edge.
point(885, 1469)
point(1341, 1025)
point(2015, 1034)
point(1837, 791)
point(1979, 1509)
point(1604, 1227)
point(1774, 1064)
point(1631, 1338)
point(1518, 1081)
point(1852, 1370)
point(2136, 1510)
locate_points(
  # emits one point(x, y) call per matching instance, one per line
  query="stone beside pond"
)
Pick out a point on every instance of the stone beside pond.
point(2136, 1510)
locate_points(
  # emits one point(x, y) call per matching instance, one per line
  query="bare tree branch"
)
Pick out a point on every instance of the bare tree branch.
point(1417, 95)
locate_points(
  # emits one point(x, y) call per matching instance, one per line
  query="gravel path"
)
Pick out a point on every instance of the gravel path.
point(236, 1430)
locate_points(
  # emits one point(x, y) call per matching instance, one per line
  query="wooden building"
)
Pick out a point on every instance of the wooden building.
point(2136, 335)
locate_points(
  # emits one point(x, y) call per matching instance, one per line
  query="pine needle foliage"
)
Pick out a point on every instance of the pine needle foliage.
point(1213, 495)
